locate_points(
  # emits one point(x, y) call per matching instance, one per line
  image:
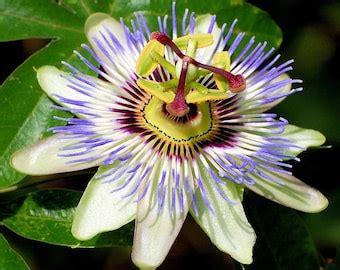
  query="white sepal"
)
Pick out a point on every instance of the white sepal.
point(44, 158)
point(226, 223)
point(289, 191)
point(101, 210)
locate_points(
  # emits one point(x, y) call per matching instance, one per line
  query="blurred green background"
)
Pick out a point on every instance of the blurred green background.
point(311, 31)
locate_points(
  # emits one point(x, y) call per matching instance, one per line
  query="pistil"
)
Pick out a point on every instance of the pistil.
point(236, 82)
point(165, 40)
point(178, 107)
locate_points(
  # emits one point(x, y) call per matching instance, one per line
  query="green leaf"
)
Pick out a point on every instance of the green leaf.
point(254, 22)
point(47, 216)
point(84, 8)
point(39, 18)
point(123, 7)
point(283, 241)
point(9, 258)
point(25, 111)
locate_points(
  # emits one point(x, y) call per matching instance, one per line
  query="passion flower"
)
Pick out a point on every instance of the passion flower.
point(176, 123)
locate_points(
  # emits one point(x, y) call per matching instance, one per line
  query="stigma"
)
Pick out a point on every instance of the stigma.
point(184, 87)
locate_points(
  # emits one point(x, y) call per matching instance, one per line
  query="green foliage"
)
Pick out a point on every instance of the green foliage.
point(9, 258)
point(47, 216)
point(25, 111)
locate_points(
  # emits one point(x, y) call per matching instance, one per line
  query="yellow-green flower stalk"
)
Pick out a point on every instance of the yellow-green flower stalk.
point(176, 123)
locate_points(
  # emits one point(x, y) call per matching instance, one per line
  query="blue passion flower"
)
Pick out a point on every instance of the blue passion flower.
point(177, 122)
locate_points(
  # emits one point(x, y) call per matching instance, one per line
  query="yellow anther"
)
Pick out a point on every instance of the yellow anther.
point(145, 63)
point(221, 60)
point(203, 40)
point(158, 89)
point(198, 97)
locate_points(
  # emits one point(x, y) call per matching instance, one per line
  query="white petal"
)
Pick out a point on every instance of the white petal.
point(303, 138)
point(54, 83)
point(43, 158)
point(253, 95)
point(155, 232)
point(82, 95)
point(116, 57)
point(98, 22)
point(292, 192)
point(227, 227)
point(202, 26)
point(101, 210)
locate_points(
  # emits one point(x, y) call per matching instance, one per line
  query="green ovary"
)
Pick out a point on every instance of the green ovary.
point(197, 126)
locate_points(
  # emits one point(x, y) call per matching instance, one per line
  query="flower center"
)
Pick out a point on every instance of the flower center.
point(195, 124)
point(183, 88)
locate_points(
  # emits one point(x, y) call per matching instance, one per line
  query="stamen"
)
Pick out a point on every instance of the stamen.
point(163, 62)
